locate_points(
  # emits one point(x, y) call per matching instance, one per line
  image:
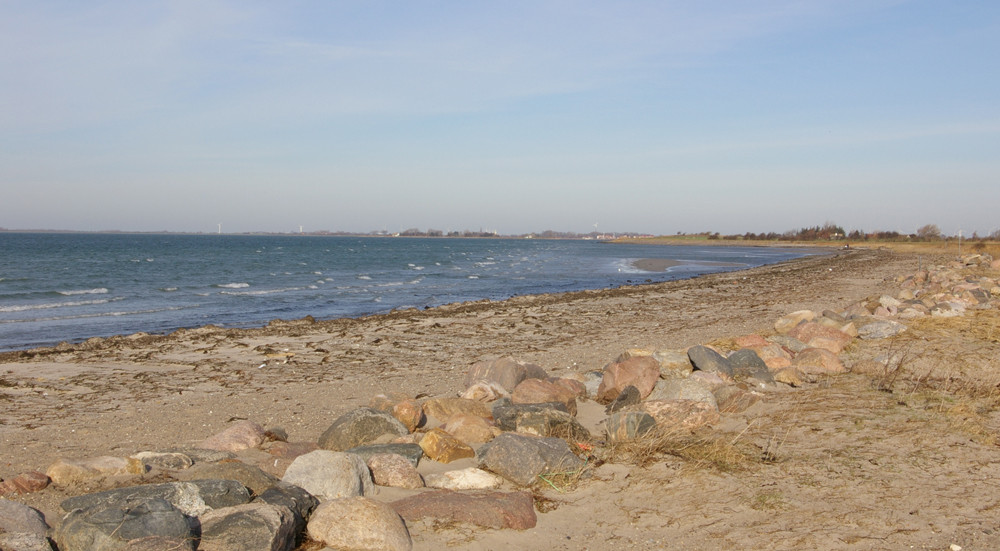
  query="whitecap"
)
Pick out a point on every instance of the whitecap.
point(98, 291)
point(364, 277)
point(260, 292)
point(233, 285)
point(473, 277)
point(46, 306)
point(169, 289)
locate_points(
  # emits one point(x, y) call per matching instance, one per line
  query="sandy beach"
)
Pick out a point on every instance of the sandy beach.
point(855, 468)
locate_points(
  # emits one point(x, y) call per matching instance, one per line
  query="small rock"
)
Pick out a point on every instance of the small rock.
point(550, 422)
point(412, 452)
point(790, 376)
point(506, 372)
point(788, 322)
point(359, 524)
point(489, 509)
point(506, 414)
point(642, 372)
point(881, 329)
point(67, 471)
point(171, 461)
point(485, 391)
point(24, 483)
point(733, 399)
point(818, 361)
point(748, 365)
point(300, 502)
point(410, 413)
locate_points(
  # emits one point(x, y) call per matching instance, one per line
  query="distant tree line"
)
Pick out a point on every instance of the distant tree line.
point(832, 232)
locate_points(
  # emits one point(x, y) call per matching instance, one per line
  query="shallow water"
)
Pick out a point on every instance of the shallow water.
point(69, 287)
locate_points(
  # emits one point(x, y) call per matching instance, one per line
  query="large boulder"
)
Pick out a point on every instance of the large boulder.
point(330, 475)
point(359, 427)
point(540, 391)
point(642, 372)
point(704, 358)
point(489, 509)
point(300, 502)
point(683, 389)
point(359, 524)
point(255, 479)
point(521, 459)
point(393, 470)
point(254, 526)
point(506, 372)
point(192, 498)
point(747, 364)
point(144, 523)
point(17, 518)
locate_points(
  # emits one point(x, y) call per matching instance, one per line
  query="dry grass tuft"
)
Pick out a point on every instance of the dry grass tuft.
point(701, 450)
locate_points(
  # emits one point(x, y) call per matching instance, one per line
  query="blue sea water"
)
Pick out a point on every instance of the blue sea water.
point(69, 287)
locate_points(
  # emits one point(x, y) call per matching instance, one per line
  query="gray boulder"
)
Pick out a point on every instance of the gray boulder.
point(255, 479)
point(20, 519)
point(628, 425)
point(192, 498)
point(704, 358)
point(521, 459)
point(19, 541)
point(683, 389)
point(359, 427)
point(143, 523)
point(249, 527)
point(300, 502)
point(412, 452)
point(506, 372)
point(748, 365)
point(330, 475)
point(882, 329)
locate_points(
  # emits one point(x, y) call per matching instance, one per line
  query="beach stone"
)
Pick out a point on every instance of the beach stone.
point(750, 341)
point(633, 353)
point(704, 358)
point(856, 310)
point(888, 302)
point(881, 329)
point(359, 524)
point(255, 479)
point(192, 498)
point(24, 483)
point(443, 447)
point(572, 385)
point(412, 452)
point(790, 376)
point(711, 381)
point(790, 343)
point(505, 413)
point(674, 364)
point(19, 518)
point(443, 409)
point(628, 425)
point(641, 372)
point(551, 422)
point(464, 479)
point(787, 322)
point(358, 427)
point(817, 361)
point(470, 428)
point(24, 542)
point(748, 365)
point(251, 526)
point(506, 372)
point(683, 389)
point(386, 401)
point(300, 502)
point(410, 413)
point(74, 471)
point(241, 435)
point(389, 469)
point(685, 414)
point(201, 455)
point(817, 335)
point(484, 391)
point(489, 509)
point(946, 310)
point(733, 399)
point(520, 458)
point(289, 450)
point(628, 396)
point(330, 475)
point(171, 461)
point(540, 391)
point(144, 523)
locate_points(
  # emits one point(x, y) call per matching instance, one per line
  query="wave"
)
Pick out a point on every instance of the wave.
point(98, 291)
point(364, 277)
point(260, 292)
point(233, 285)
point(168, 289)
point(50, 305)
point(100, 315)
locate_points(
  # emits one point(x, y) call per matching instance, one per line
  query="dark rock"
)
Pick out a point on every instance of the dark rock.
point(359, 427)
point(506, 413)
point(704, 358)
point(627, 397)
point(412, 452)
point(19, 518)
point(124, 524)
point(521, 459)
point(748, 365)
point(192, 498)
point(489, 509)
point(628, 425)
point(253, 526)
point(300, 502)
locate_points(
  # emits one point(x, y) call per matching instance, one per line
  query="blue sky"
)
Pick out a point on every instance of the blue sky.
point(660, 116)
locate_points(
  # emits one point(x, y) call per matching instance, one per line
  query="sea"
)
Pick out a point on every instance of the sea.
point(57, 287)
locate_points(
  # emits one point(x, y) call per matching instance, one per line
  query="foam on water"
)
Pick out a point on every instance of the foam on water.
point(98, 291)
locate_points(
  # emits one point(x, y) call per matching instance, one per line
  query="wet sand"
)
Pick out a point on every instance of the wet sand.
point(127, 394)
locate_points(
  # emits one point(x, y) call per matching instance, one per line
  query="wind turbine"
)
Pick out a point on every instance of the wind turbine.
point(220, 228)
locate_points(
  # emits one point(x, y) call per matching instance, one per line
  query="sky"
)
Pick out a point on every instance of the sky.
point(655, 116)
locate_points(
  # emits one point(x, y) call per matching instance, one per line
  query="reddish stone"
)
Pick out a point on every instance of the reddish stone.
point(685, 414)
point(240, 436)
point(410, 413)
point(825, 337)
point(540, 391)
point(818, 361)
point(290, 450)
point(24, 483)
point(576, 387)
point(490, 509)
point(641, 372)
point(750, 341)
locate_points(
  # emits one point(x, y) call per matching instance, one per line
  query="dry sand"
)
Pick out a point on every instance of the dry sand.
point(833, 465)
